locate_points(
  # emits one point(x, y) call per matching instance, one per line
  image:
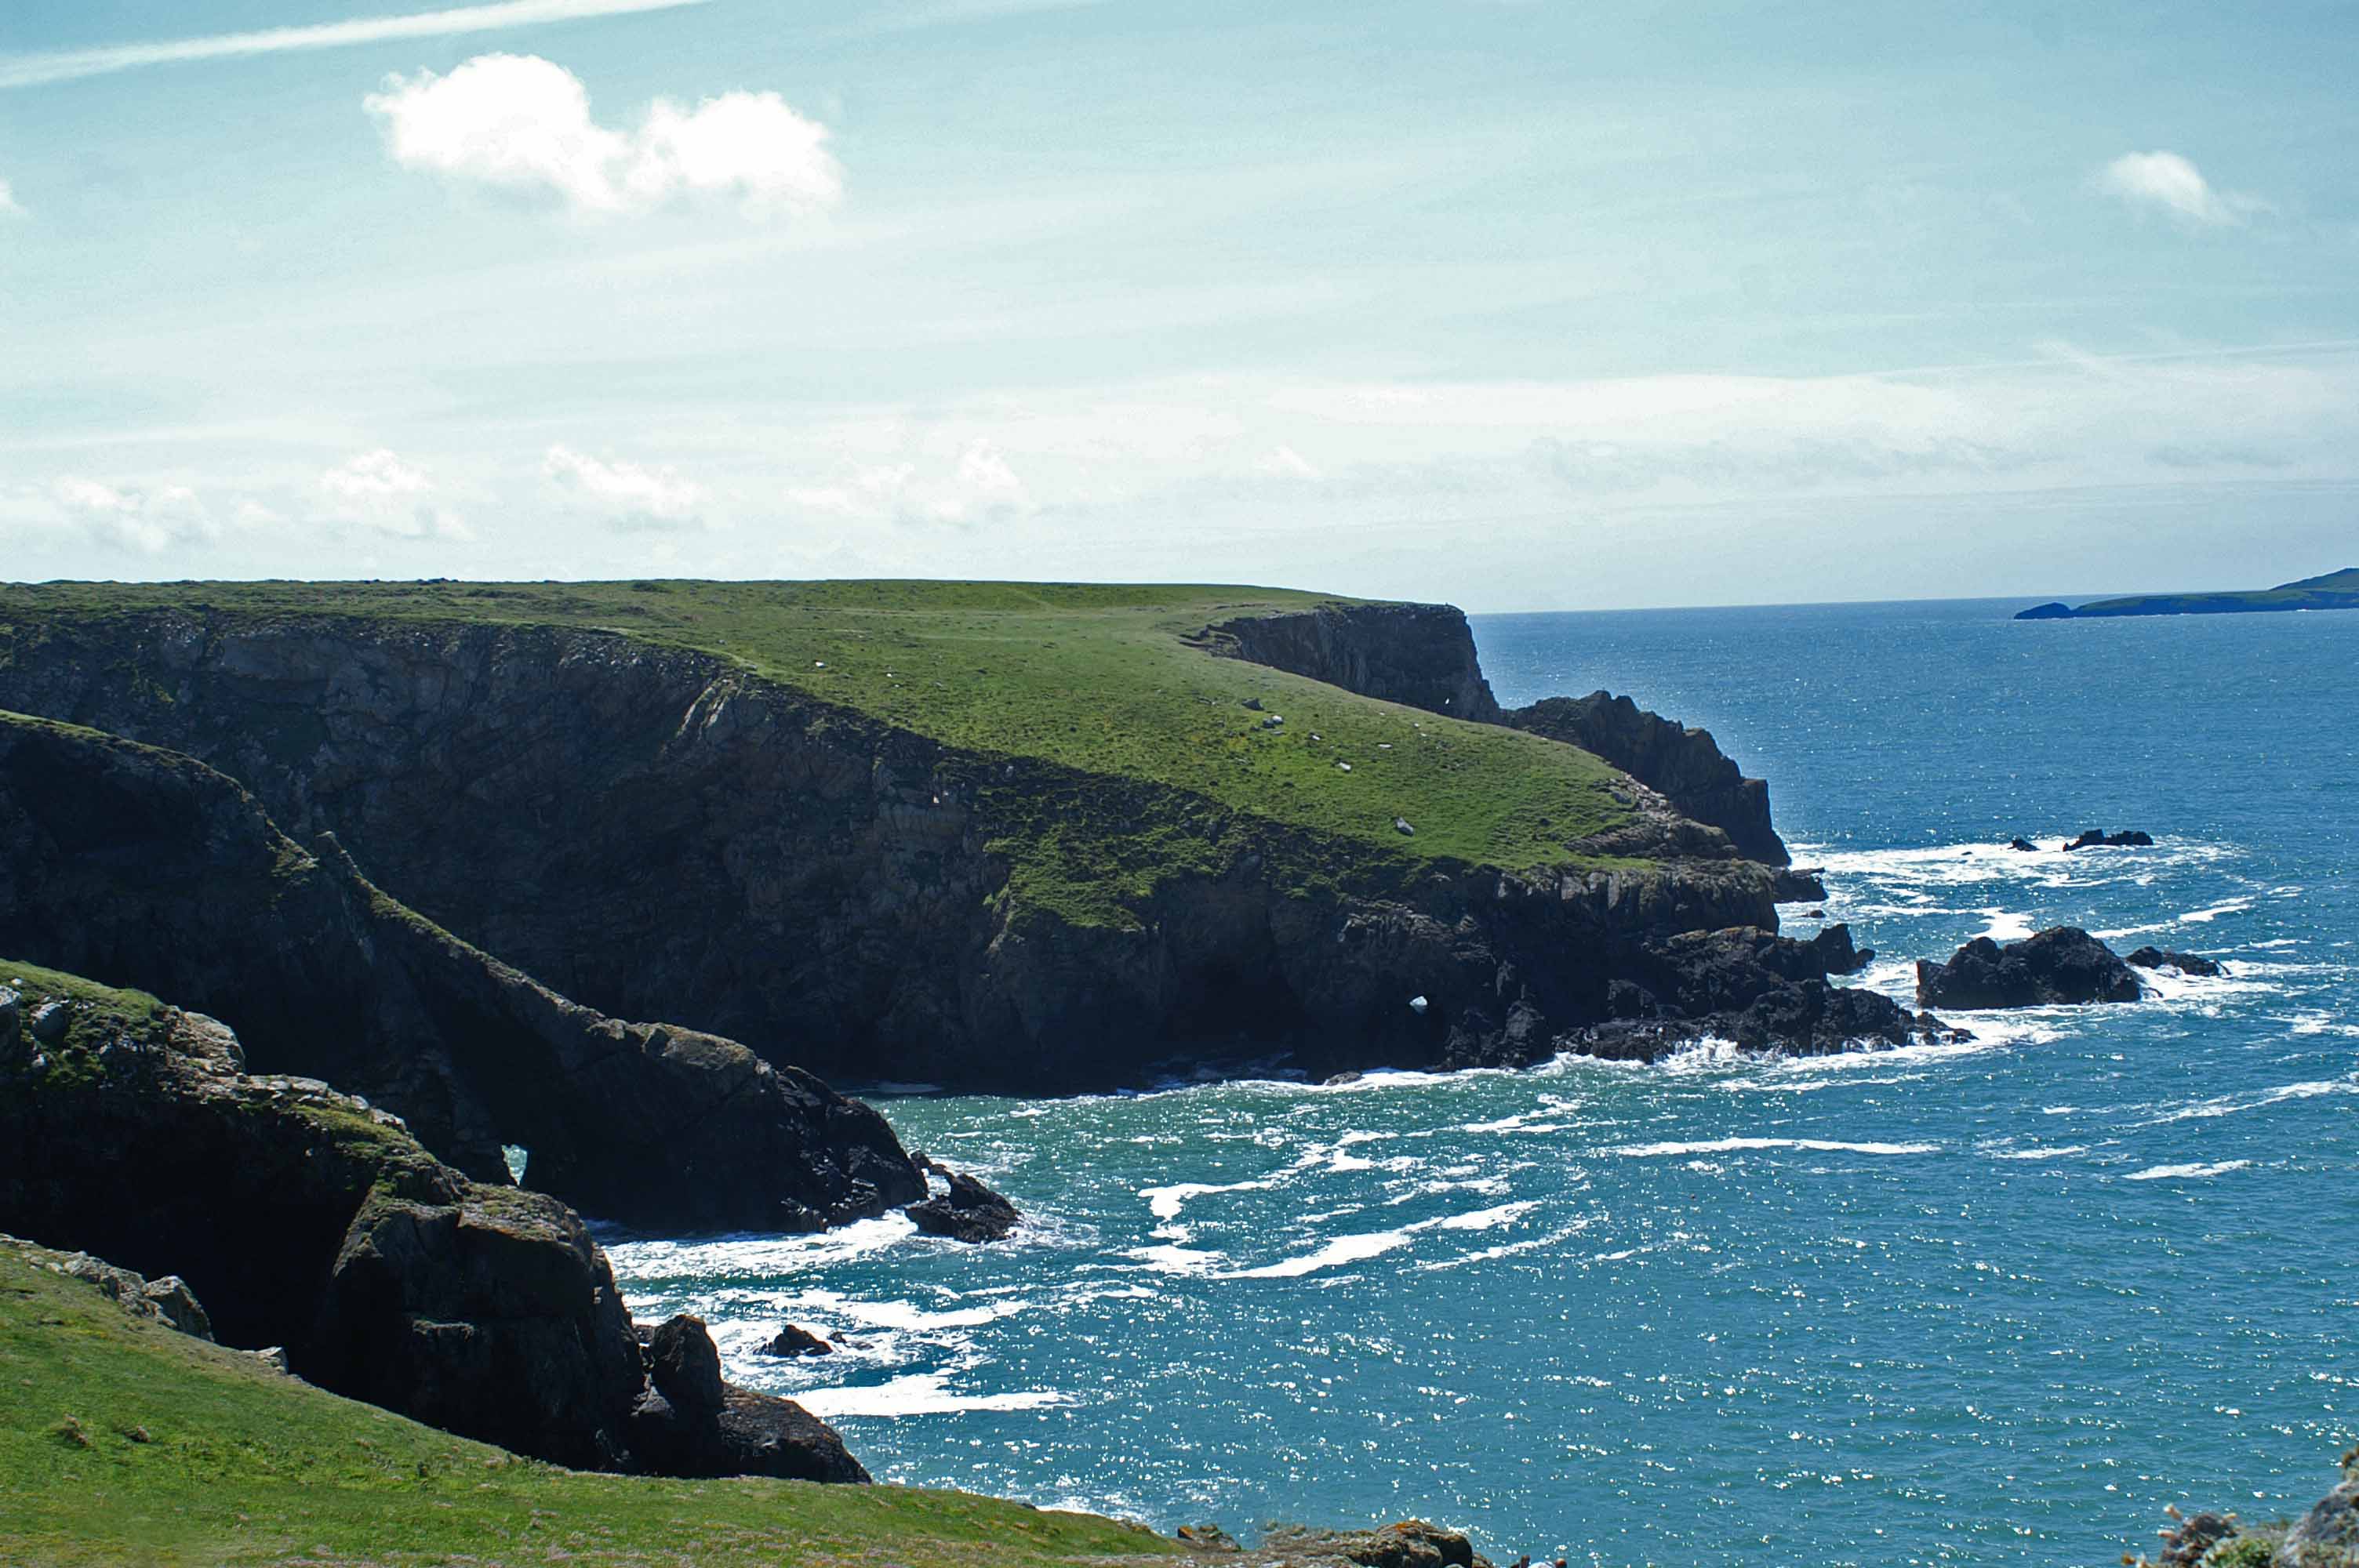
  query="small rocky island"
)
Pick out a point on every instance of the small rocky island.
point(2333, 591)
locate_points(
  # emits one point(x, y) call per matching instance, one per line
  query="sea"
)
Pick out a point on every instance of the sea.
point(1996, 1302)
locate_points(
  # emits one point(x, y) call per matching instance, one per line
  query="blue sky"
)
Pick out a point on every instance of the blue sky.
point(1527, 305)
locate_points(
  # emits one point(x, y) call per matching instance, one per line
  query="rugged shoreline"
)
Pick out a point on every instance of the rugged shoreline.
point(840, 892)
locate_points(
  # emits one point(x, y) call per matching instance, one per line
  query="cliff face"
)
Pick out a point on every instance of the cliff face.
point(152, 869)
point(659, 833)
point(307, 1219)
point(1687, 765)
point(1422, 656)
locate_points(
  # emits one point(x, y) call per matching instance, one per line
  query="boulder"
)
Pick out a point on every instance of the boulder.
point(168, 1301)
point(50, 1021)
point(793, 1340)
point(965, 1211)
point(2061, 965)
point(684, 1365)
point(1799, 884)
point(2151, 957)
point(692, 1423)
point(2021, 844)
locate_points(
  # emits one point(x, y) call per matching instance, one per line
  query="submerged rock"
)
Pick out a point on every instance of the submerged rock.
point(792, 1339)
point(2185, 963)
point(2061, 965)
point(2025, 844)
point(2098, 838)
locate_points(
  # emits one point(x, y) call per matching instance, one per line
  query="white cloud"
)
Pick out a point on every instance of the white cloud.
point(2174, 184)
point(524, 123)
point(8, 199)
point(66, 65)
point(377, 490)
point(631, 495)
point(1284, 462)
point(132, 519)
point(978, 485)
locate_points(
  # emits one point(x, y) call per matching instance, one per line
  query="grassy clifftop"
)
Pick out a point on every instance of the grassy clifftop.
point(1097, 678)
point(125, 1441)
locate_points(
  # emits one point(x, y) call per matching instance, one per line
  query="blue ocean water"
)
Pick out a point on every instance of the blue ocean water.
point(1990, 1303)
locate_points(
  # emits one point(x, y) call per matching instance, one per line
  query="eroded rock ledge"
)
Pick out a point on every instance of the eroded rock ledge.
point(151, 868)
point(307, 1219)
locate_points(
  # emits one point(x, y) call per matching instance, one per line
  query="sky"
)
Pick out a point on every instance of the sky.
point(1521, 304)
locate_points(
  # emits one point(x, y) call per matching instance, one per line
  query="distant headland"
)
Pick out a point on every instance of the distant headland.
point(2335, 590)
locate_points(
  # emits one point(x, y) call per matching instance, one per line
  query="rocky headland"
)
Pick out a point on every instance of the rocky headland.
point(887, 864)
point(2332, 591)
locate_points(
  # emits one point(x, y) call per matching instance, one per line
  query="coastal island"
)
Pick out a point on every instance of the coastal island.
point(2333, 591)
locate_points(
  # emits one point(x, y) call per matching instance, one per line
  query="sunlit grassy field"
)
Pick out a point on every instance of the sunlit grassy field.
point(1097, 679)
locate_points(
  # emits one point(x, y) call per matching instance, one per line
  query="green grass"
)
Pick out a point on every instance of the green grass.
point(1092, 678)
point(123, 1442)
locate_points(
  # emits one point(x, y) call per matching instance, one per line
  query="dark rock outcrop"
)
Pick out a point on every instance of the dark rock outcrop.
point(2061, 965)
point(2185, 963)
point(793, 1339)
point(1422, 656)
point(1411, 1543)
point(965, 1210)
point(2021, 844)
point(151, 868)
point(307, 1219)
point(1686, 765)
point(1799, 884)
point(690, 1422)
point(2098, 838)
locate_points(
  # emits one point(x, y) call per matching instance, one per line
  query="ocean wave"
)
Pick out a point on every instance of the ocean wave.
point(2206, 915)
point(1340, 1250)
point(1741, 1145)
point(2231, 1105)
point(918, 1393)
point(2169, 1173)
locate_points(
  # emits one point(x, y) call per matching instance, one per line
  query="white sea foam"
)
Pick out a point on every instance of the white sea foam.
point(2056, 1153)
point(2169, 1172)
point(2229, 1104)
point(1740, 1145)
point(2205, 916)
point(1340, 1250)
point(1488, 1218)
point(918, 1393)
point(2005, 927)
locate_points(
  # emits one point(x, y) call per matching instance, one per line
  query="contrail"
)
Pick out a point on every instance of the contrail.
point(66, 65)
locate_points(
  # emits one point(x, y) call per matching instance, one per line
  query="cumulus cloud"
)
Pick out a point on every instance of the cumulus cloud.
point(523, 123)
point(630, 495)
point(8, 207)
point(1284, 462)
point(979, 485)
point(377, 490)
point(2173, 184)
point(133, 519)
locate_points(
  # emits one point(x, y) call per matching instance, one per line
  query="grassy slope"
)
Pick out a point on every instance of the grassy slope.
point(1090, 678)
point(123, 1442)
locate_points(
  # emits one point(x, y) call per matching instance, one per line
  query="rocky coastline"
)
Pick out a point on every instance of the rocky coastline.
point(824, 887)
